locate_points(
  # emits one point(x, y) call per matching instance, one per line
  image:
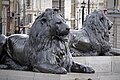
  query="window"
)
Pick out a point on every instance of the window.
point(28, 4)
point(29, 18)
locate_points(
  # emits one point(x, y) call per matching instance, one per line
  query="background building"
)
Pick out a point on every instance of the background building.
point(59, 4)
point(113, 8)
point(18, 15)
point(81, 8)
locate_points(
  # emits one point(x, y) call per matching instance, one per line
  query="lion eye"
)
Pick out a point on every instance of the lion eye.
point(58, 22)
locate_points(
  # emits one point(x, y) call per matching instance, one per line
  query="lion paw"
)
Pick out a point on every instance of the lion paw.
point(60, 70)
point(87, 69)
point(2, 66)
point(81, 68)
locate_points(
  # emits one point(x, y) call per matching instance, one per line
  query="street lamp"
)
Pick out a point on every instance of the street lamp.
point(60, 5)
point(83, 6)
point(18, 16)
point(0, 24)
point(77, 20)
point(24, 16)
point(88, 6)
point(0, 16)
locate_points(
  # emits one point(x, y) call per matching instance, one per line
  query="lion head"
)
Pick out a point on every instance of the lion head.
point(97, 26)
point(98, 21)
point(50, 24)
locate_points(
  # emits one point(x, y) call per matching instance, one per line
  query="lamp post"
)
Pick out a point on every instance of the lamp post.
point(77, 17)
point(18, 16)
point(0, 25)
point(83, 7)
point(77, 20)
point(24, 16)
point(60, 5)
point(0, 16)
point(88, 6)
point(8, 17)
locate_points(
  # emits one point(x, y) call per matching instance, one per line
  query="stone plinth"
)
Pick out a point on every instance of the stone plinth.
point(106, 67)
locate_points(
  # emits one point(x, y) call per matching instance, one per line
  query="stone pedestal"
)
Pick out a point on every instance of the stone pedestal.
point(106, 67)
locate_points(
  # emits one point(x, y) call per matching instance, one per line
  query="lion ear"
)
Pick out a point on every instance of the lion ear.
point(43, 20)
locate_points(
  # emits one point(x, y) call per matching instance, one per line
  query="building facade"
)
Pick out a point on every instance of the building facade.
point(73, 10)
point(21, 13)
point(113, 8)
point(59, 4)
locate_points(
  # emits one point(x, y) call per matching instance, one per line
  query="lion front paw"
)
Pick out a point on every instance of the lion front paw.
point(50, 68)
point(2, 66)
point(61, 70)
point(81, 68)
point(87, 69)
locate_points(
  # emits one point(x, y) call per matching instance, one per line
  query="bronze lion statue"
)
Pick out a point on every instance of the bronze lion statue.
point(45, 49)
point(93, 38)
point(2, 45)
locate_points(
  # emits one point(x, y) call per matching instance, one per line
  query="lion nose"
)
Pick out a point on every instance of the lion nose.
point(68, 29)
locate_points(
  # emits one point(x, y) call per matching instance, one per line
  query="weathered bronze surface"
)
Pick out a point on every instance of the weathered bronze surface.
point(93, 38)
point(45, 49)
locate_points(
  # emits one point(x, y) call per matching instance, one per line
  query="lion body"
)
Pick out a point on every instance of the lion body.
point(93, 38)
point(15, 47)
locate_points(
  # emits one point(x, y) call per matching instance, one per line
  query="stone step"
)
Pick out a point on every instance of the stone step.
point(106, 67)
point(25, 75)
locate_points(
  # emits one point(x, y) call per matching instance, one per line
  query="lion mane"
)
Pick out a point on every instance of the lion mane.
point(94, 35)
